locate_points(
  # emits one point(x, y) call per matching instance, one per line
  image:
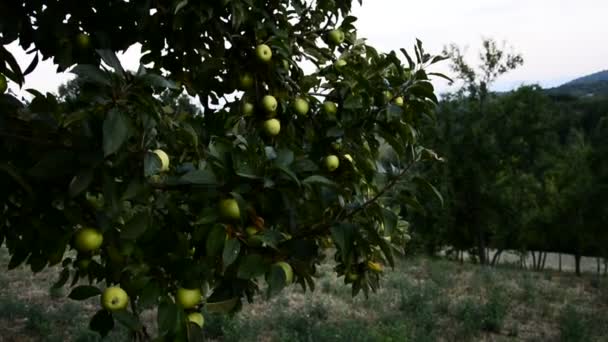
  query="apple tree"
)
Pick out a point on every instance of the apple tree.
point(147, 204)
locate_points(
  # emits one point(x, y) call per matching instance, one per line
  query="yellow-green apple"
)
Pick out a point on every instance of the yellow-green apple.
point(164, 159)
point(269, 103)
point(330, 107)
point(88, 240)
point(188, 298)
point(272, 127)
point(248, 108)
point(246, 80)
point(263, 52)
point(229, 209)
point(287, 270)
point(399, 101)
point(332, 162)
point(114, 298)
point(336, 36)
point(300, 106)
point(196, 318)
point(340, 63)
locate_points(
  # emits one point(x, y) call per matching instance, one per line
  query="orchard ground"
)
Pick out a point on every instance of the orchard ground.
point(421, 300)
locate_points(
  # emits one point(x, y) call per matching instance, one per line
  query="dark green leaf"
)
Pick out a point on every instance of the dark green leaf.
point(200, 177)
point(276, 280)
point(116, 130)
point(316, 179)
point(251, 266)
point(109, 57)
point(215, 240)
point(80, 182)
point(167, 317)
point(92, 74)
point(127, 319)
point(136, 226)
point(102, 322)
point(83, 292)
point(152, 164)
point(232, 247)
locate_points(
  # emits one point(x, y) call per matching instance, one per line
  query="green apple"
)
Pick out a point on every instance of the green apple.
point(114, 298)
point(287, 270)
point(340, 63)
point(336, 36)
point(272, 127)
point(301, 106)
point(164, 159)
point(246, 80)
point(83, 264)
point(332, 162)
point(387, 95)
point(374, 266)
point(188, 298)
point(352, 276)
point(269, 103)
point(330, 107)
point(83, 40)
point(285, 64)
point(88, 240)
point(248, 108)
point(229, 209)
point(399, 101)
point(3, 84)
point(251, 230)
point(348, 157)
point(196, 318)
point(263, 52)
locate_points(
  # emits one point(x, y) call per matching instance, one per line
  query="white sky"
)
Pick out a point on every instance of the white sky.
point(559, 39)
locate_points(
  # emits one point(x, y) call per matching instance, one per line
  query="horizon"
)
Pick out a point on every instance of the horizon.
point(545, 62)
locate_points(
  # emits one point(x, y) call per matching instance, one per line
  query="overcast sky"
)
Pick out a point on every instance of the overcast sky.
point(560, 40)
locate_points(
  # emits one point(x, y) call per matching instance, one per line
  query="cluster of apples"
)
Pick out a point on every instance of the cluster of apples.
point(272, 126)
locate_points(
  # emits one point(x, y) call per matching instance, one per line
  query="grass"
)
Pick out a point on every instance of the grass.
point(421, 300)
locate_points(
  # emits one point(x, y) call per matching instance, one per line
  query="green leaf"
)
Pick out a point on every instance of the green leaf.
point(83, 292)
point(149, 295)
point(167, 317)
point(284, 157)
point(63, 278)
point(80, 182)
point(425, 184)
point(180, 5)
point(92, 74)
point(127, 319)
point(155, 80)
point(200, 177)
point(152, 164)
point(251, 266)
point(224, 306)
point(116, 130)
point(353, 102)
point(215, 240)
point(136, 226)
point(109, 57)
point(232, 247)
point(276, 280)
point(343, 235)
point(316, 179)
point(102, 322)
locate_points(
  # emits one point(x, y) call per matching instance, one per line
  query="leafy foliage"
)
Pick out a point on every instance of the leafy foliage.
point(90, 158)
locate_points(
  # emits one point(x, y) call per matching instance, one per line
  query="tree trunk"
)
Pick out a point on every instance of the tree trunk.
point(533, 260)
point(599, 265)
point(577, 264)
point(605, 266)
point(496, 257)
point(481, 246)
point(542, 266)
point(559, 255)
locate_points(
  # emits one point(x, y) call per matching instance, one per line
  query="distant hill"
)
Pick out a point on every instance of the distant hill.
point(594, 85)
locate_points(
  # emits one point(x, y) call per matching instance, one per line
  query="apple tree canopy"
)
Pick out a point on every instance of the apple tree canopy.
point(93, 160)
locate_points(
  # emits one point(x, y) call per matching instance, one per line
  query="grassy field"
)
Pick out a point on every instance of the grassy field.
point(421, 300)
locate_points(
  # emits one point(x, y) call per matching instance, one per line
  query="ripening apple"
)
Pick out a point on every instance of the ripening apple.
point(332, 162)
point(330, 107)
point(301, 106)
point(83, 40)
point(269, 103)
point(88, 240)
point(399, 101)
point(3, 84)
point(248, 108)
point(114, 298)
point(251, 230)
point(374, 266)
point(229, 209)
point(287, 270)
point(340, 63)
point(196, 318)
point(246, 80)
point(164, 159)
point(387, 95)
point(272, 127)
point(264, 53)
point(188, 298)
point(336, 36)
